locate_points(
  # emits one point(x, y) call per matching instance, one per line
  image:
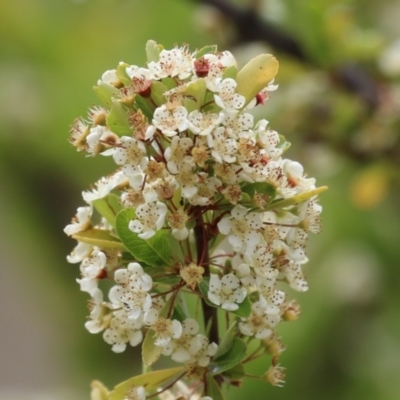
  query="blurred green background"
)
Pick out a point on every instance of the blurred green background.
point(347, 342)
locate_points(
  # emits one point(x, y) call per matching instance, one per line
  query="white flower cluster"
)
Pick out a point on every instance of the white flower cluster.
point(190, 156)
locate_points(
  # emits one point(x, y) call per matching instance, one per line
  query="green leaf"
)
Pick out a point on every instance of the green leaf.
point(179, 312)
point(283, 143)
point(108, 207)
point(117, 119)
point(231, 72)
point(258, 187)
point(169, 83)
point(195, 95)
point(170, 279)
point(213, 389)
point(299, 198)
point(150, 380)
point(139, 248)
point(157, 92)
point(244, 309)
point(153, 51)
point(226, 342)
point(105, 92)
point(256, 75)
point(143, 104)
point(100, 238)
point(236, 373)
point(150, 352)
point(229, 359)
point(206, 50)
point(122, 75)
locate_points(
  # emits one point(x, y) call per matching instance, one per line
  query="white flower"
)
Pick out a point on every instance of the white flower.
point(81, 222)
point(187, 179)
point(109, 77)
point(270, 298)
point(282, 250)
point(79, 253)
point(165, 329)
point(170, 122)
point(222, 148)
point(99, 315)
point(123, 330)
point(177, 152)
point(206, 189)
point(241, 228)
point(218, 62)
point(203, 124)
point(261, 260)
point(258, 324)
point(175, 62)
point(184, 348)
point(207, 350)
point(177, 221)
point(295, 277)
point(151, 218)
point(135, 393)
point(226, 292)
point(239, 125)
point(134, 275)
point(133, 71)
point(226, 98)
point(133, 291)
point(309, 215)
point(91, 267)
point(269, 139)
point(104, 187)
point(99, 135)
point(294, 172)
point(130, 154)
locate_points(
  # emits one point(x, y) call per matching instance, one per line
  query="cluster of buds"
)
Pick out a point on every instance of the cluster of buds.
point(202, 204)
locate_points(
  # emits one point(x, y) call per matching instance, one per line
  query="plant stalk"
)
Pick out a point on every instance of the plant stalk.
point(209, 313)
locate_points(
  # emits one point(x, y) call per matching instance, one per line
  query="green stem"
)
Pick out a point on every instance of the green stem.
point(209, 313)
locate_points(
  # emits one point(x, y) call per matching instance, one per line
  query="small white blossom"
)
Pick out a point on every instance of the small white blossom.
point(223, 149)
point(133, 71)
point(109, 77)
point(226, 98)
point(135, 393)
point(206, 352)
point(165, 329)
point(97, 138)
point(294, 172)
point(170, 122)
point(123, 330)
point(241, 228)
point(131, 154)
point(81, 222)
point(203, 124)
point(226, 292)
point(79, 253)
point(175, 62)
point(177, 152)
point(104, 186)
point(258, 324)
point(133, 290)
point(184, 348)
point(91, 267)
point(239, 125)
point(151, 218)
point(100, 315)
